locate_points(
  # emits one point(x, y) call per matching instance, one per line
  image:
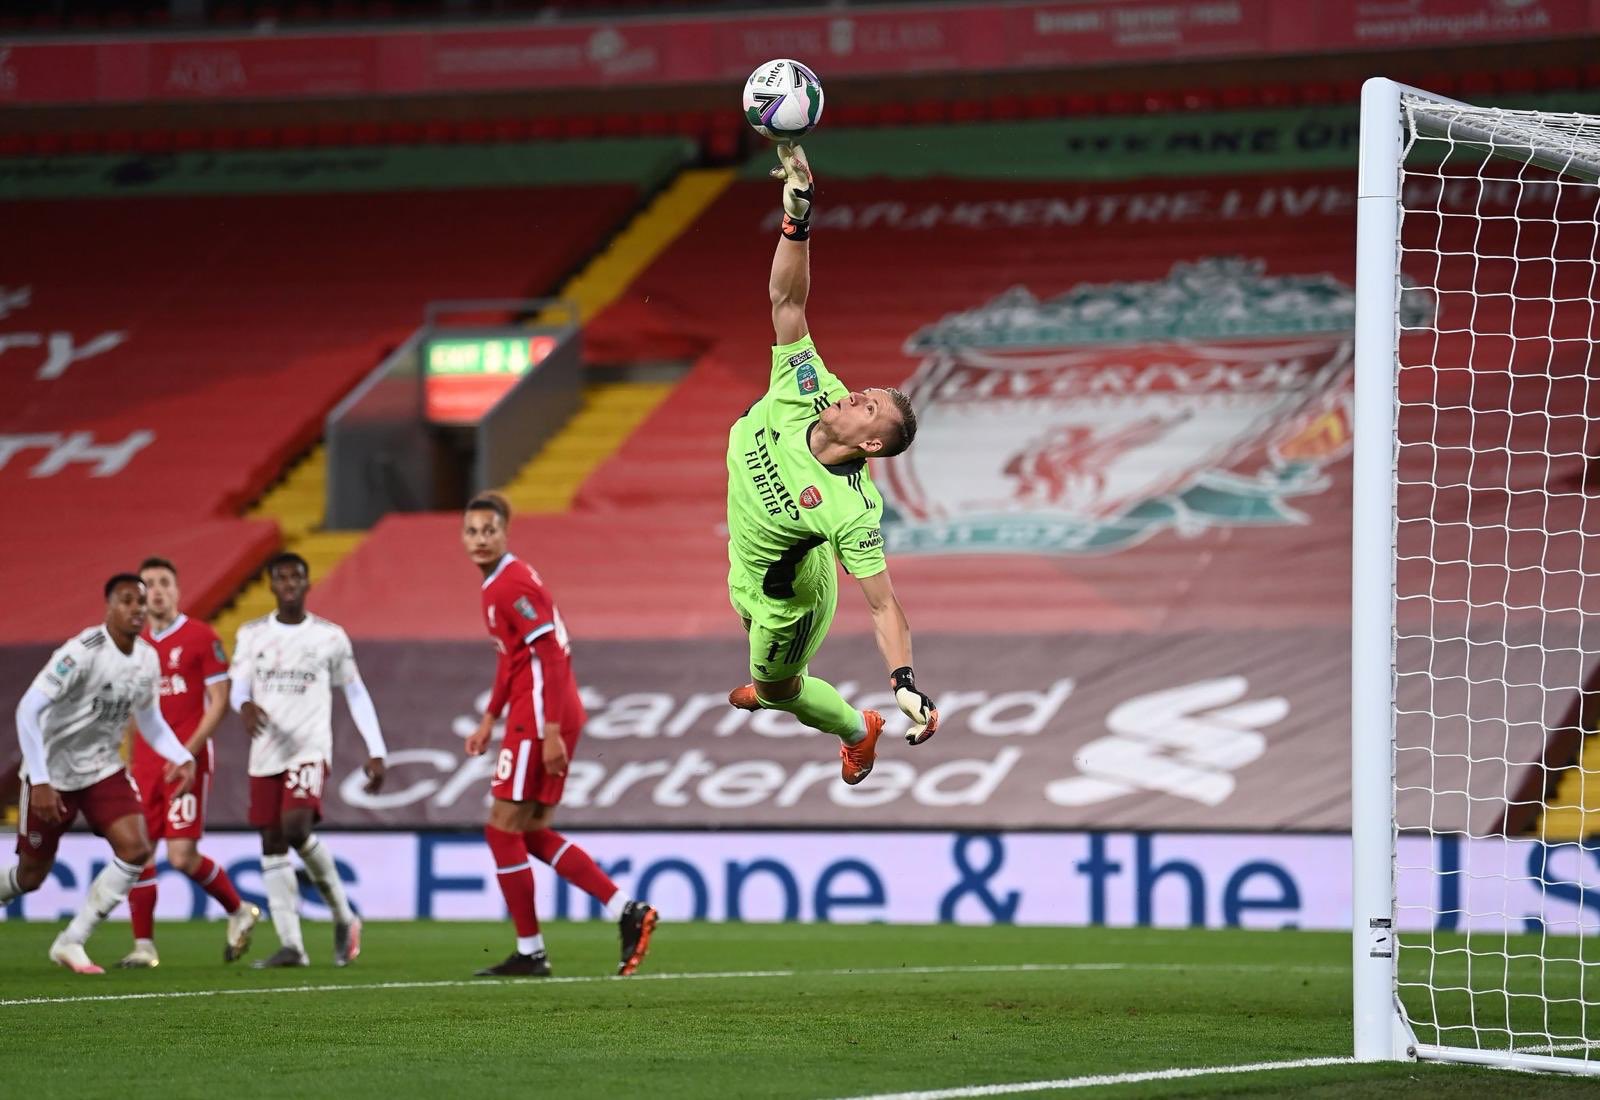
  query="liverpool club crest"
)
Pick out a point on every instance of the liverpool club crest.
point(1093, 421)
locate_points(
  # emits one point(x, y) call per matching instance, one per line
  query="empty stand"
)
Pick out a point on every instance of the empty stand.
point(222, 329)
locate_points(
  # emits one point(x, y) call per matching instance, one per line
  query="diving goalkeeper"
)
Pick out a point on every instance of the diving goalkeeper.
point(800, 496)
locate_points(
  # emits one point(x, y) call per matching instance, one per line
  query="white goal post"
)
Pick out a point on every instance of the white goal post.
point(1472, 626)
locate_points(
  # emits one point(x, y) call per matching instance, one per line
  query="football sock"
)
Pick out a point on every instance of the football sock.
point(530, 945)
point(9, 888)
point(211, 878)
point(320, 866)
point(283, 898)
point(515, 874)
point(142, 904)
point(106, 892)
point(822, 708)
point(577, 867)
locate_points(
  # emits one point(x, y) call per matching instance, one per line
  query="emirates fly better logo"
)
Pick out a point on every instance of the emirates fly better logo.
point(1090, 422)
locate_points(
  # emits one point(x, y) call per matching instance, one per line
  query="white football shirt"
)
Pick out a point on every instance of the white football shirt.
point(291, 672)
point(94, 687)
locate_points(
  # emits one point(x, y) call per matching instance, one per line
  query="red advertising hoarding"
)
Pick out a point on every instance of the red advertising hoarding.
point(909, 39)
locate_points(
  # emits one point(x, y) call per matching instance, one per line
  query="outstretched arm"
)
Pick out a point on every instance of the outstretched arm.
point(894, 642)
point(790, 283)
point(888, 620)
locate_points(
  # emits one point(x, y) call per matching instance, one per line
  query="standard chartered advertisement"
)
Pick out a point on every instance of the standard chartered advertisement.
point(1201, 731)
point(1117, 879)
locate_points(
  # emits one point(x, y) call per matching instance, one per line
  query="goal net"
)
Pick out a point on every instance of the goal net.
point(1477, 583)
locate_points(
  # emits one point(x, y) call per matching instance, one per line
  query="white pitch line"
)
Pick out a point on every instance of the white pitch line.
point(453, 983)
point(1102, 1079)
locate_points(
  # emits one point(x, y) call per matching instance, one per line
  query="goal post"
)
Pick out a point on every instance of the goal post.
point(1474, 533)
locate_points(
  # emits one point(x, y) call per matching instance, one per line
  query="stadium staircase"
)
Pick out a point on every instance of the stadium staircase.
point(228, 356)
point(1572, 813)
point(612, 410)
point(296, 504)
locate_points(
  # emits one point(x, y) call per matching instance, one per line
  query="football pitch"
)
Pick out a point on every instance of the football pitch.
point(802, 1011)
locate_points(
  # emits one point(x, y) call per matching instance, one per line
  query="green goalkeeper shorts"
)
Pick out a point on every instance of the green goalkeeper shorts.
point(785, 634)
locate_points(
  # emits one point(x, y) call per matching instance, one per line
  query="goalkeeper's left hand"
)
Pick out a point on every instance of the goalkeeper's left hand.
point(795, 172)
point(914, 705)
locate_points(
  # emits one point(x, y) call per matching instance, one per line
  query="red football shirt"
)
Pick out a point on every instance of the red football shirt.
point(528, 631)
point(191, 657)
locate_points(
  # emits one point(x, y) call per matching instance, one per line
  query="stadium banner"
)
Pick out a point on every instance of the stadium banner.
point(901, 39)
point(1199, 731)
point(1114, 879)
point(1241, 730)
point(642, 161)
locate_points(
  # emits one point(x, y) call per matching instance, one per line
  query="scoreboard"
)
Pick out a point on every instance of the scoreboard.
point(464, 375)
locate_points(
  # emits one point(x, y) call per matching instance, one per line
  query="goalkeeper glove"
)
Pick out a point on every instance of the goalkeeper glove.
point(795, 172)
point(915, 705)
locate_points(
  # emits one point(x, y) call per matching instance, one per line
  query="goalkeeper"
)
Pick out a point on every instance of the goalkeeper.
point(800, 496)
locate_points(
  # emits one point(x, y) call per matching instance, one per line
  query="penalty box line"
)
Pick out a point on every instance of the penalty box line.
point(1102, 1079)
point(720, 975)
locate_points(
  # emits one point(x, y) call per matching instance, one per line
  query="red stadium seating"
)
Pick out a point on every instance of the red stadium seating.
point(696, 302)
point(242, 320)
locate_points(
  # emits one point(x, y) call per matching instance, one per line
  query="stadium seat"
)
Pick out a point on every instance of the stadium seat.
point(969, 110)
point(893, 113)
point(154, 141)
point(1006, 107)
point(655, 124)
point(405, 133)
point(1080, 104)
point(1239, 97)
point(1519, 81)
point(1123, 103)
point(1040, 105)
point(330, 135)
point(1278, 95)
point(510, 128)
point(854, 114)
point(1159, 101)
point(694, 124)
point(1560, 78)
point(246, 317)
point(580, 126)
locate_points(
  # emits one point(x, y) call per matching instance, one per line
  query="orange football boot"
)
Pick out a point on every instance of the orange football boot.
point(859, 758)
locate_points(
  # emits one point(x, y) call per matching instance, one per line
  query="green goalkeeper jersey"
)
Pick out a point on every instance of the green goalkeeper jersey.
point(788, 514)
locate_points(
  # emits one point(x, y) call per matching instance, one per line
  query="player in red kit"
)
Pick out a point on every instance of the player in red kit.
point(194, 697)
point(534, 675)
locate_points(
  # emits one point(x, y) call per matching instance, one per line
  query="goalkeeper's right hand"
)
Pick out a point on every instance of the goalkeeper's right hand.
point(915, 706)
point(795, 172)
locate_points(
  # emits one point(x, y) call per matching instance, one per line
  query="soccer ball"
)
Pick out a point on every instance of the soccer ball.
point(783, 100)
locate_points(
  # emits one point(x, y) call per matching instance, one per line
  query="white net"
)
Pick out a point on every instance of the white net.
point(1497, 578)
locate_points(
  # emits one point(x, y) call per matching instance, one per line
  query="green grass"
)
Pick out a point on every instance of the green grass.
point(849, 1016)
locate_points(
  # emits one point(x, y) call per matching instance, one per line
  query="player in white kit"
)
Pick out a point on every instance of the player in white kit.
point(70, 724)
point(285, 667)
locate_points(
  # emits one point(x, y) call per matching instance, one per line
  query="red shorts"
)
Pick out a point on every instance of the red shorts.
point(519, 774)
point(102, 803)
point(166, 817)
point(271, 795)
